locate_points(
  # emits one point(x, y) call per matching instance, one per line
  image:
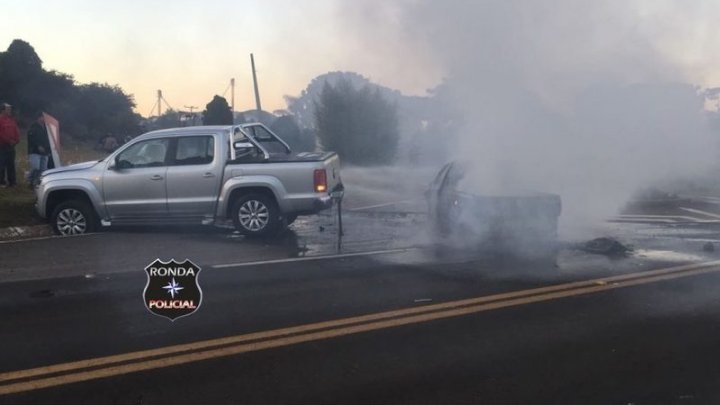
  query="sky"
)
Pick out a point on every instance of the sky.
point(191, 49)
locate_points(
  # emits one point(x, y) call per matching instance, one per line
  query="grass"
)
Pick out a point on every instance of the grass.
point(17, 203)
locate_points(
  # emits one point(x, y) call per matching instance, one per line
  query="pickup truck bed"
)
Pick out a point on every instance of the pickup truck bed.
point(285, 158)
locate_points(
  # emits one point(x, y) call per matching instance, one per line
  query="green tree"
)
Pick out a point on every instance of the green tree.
point(84, 111)
point(359, 124)
point(217, 112)
point(21, 77)
point(102, 109)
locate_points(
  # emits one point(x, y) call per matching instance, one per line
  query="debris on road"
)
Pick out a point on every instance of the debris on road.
point(606, 246)
point(24, 232)
point(420, 300)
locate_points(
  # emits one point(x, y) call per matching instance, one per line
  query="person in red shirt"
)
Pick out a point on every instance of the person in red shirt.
point(9, 137)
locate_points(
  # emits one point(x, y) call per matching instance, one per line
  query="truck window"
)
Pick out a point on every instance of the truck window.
point(150, 153)
point(195, 150)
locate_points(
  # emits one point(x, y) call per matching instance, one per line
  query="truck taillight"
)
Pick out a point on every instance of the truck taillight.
point(320, 180)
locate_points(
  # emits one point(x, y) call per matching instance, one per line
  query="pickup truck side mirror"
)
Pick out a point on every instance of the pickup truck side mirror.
point(118, 164)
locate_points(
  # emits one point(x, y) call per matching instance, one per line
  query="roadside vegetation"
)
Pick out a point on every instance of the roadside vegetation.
point(86, 111)
point(17, 203)
point(357, 123)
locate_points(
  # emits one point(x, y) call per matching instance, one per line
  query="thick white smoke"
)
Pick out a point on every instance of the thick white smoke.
point(576, 97)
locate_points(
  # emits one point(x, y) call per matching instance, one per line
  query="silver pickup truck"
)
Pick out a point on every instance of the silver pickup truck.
point(193, 175)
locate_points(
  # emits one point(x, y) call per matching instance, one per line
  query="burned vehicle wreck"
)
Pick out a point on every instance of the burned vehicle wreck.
point(465, 215)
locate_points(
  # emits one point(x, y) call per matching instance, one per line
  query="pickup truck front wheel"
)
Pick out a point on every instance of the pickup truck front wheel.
point(73, 218)
point(255, 215)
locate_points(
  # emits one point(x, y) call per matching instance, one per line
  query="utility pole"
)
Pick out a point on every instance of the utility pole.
point(159, 102)
point(191, 108)
point(255, 84)
point(232, 96)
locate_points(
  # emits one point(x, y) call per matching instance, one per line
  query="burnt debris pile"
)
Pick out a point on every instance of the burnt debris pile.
point(606, 246)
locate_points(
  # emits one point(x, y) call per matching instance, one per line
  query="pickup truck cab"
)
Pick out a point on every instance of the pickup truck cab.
point(192, 175)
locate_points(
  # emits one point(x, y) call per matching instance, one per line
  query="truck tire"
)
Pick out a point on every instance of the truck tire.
point(256, 215)
point(73, 217)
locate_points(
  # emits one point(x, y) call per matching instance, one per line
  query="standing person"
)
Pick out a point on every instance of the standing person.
point(9, 137)
point(110, 143)
point(38, 149)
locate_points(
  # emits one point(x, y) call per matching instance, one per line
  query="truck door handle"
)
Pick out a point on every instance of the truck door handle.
point(206, 175)
point(156, 177)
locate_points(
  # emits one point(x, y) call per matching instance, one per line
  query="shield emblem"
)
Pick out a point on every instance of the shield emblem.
point(172, 288)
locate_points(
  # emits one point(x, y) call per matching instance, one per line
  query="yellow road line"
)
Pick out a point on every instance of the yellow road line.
point(329, 324)
point(283, 337)
point(206, 344)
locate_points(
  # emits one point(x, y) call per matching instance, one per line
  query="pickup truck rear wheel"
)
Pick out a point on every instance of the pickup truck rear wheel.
point(255, 215)
point(73, 217)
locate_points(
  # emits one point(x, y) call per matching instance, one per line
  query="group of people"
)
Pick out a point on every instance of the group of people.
point(38, 148)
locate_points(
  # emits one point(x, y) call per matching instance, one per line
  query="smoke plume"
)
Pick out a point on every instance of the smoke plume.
point(577, 97)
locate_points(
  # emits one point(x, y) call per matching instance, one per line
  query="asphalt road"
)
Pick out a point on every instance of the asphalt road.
point(651, 343)
point(389, 320)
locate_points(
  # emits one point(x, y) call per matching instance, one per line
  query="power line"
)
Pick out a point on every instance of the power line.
point(192, 114)
point(226, 89)
point(166, 103)
point(152, 109)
